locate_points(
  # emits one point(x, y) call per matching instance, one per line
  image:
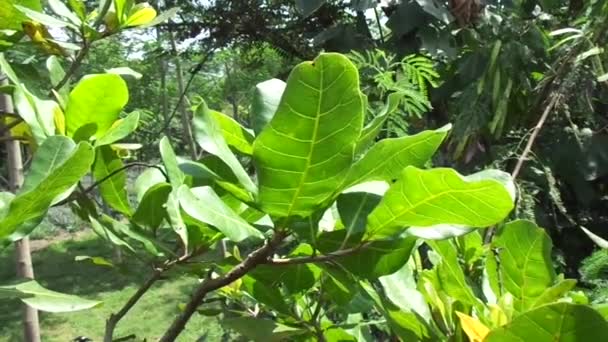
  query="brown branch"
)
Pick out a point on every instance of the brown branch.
point(257, 257)
point(318, 258)
point(534, 135)
point(74, 66)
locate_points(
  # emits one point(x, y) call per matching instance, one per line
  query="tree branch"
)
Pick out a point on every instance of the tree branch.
point(257, 257)
point(318, 258)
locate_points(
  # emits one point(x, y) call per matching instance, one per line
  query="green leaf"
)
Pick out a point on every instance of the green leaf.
point(439, 196)
point(97, 100)
point(141, 14)
point(27, 209)
point(147, 179)
point(105, 231)
point(387, 158)
point(150, 211)
point(354, 207)
point(204, 204)
point(374, 259)
point(176, 176)
point(555, 292)
point(39, 298)
point(308, 7)
point(299, 278)
point(95, 260)
point(400, 289)
point(119, 130)
point(234, 134)
point(78, 7)
point(303, 154)
point(527, 271)
point(562, 322)
point(262, 330)
point(208, 134)
point(50, 155)
point(373, 128)
point(124, 71)
point(266, 294)
point(114, 189)
point(42, 18)
point(56, 74)
point(451, 275)
point(62, 10)
point(11, 18)
point(132, 232)
point(175, 217)
point(265, 103)
point(5, 201)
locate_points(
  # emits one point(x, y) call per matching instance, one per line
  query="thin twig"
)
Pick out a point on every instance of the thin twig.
point(318, 258)
point(534, 135)
point(112, 174)
point(73, 67)
point(257, 257)
point(193, 73)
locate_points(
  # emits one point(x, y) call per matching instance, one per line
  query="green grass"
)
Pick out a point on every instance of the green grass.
point(57, 270)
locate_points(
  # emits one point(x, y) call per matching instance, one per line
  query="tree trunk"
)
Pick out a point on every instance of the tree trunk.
point(31, 328)
point(163, 78)
point(184, 113)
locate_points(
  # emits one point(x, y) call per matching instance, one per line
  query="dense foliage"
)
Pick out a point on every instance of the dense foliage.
point(309, 208)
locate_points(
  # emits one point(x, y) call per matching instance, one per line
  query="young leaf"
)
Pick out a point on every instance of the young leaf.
point(475, 330)
point(141, 14)
point(39, 298)
point(204, 205)
point(208, 134)
point(562, 322)
point(387, 158)
point(439, 196)
point(97, 100)
point(303, 154)
point(27, 209)
point(265, 103)
point(119, 130)
point(114, 189)
point(161, 18)
point(525, 262)
point(451, 275)
point(176, 176)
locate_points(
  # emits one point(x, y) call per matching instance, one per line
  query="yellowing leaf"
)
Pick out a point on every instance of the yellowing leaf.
point(140, 15)
point(59, 119)
point(474, 329)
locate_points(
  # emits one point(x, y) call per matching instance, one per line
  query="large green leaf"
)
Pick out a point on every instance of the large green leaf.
point(524, 251)
point(562, 322)
point(10, 17)
point(234, 134)
point(450, 273)
point(113, 189)
point(53, 152)
point(262, 330)
point(208, 134)
point(96, 101)
point(39, 298)
point(27, 209)
point(440, 196)
point(265, 103)
point(205, 205)
point(119, 130)
point(303, 154)
point(387, 158)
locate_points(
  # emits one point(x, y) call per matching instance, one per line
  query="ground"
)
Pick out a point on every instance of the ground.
point(57, 270)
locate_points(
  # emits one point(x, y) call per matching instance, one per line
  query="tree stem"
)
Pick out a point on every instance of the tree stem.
point(257, 257)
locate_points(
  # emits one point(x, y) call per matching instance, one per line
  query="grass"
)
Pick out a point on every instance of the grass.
point(56, 269)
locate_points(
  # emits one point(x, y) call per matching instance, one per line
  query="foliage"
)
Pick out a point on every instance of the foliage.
point(332, 236)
